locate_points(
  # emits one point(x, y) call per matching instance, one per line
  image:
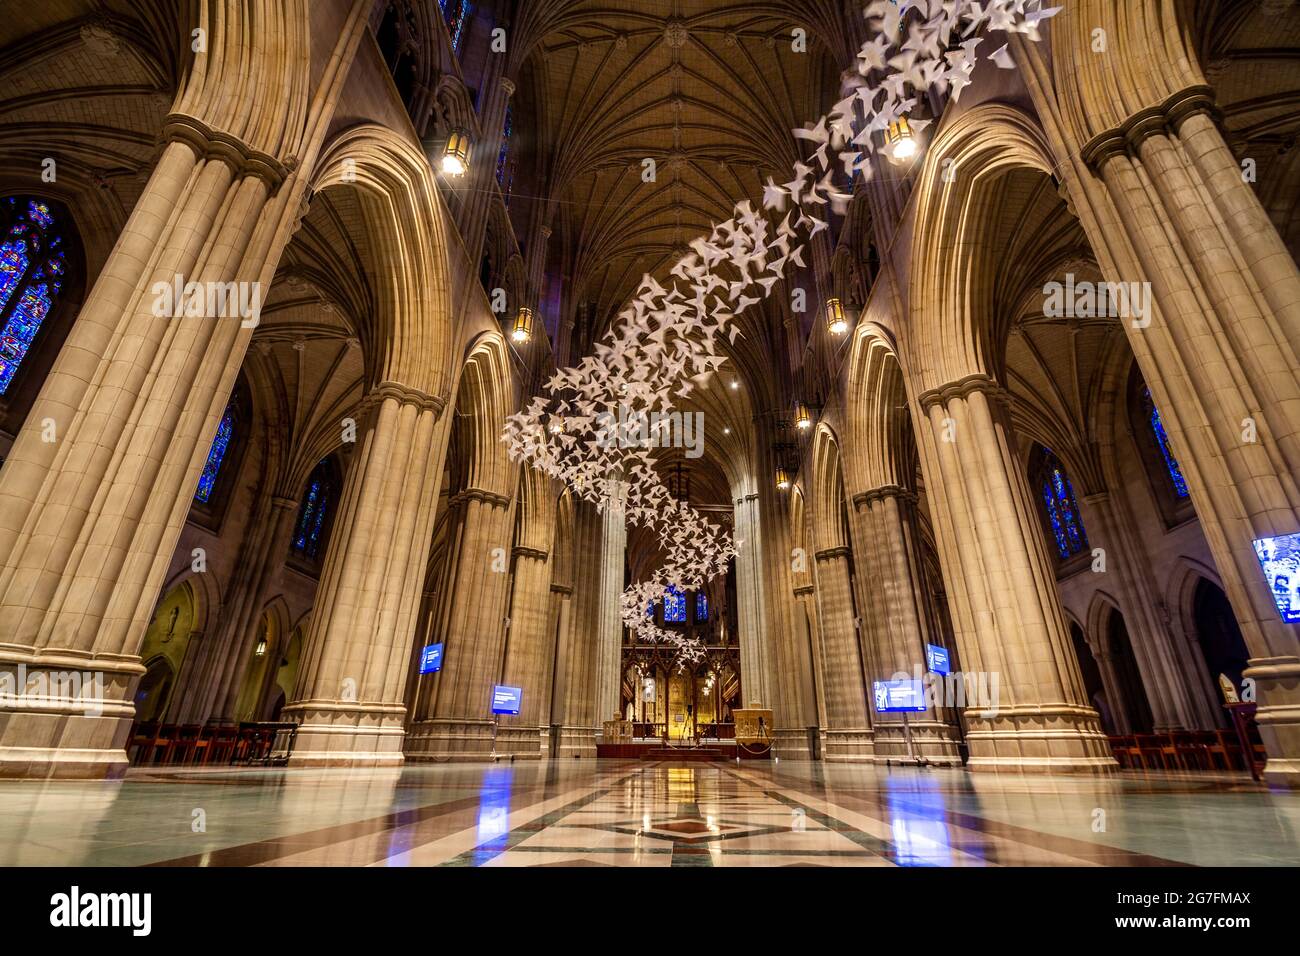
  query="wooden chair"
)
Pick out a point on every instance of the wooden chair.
point(224, 738)
point(1122, 747)
point(1170, 756)
point(1217, 755)
point(1148, 752)
point(139, 742)
point(160, 747)
point(1189, 750)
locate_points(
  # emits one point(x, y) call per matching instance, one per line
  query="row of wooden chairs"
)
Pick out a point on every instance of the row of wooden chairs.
point(158, 744)
point(1184, 750)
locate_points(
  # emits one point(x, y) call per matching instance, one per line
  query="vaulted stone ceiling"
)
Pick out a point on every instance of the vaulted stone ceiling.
point(1249, 52)
point(708, 90)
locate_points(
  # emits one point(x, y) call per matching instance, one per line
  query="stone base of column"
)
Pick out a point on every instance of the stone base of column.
point(1277, 681)
point(848, 745)
point(334, 734)
point(448, 739)
point(1057, 738)
point(577, 742)
point(65, 721)
point(792, 743)
point(932, 739)
point(522, 743)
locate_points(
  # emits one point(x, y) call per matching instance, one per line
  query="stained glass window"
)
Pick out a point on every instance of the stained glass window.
point(701, 606)
point(1162, 441)
point(1061, 506)
point(674, 606)
point(312, 513)
point(216, 455)
point(31, 272)
point(504, 154)
point(457, 15)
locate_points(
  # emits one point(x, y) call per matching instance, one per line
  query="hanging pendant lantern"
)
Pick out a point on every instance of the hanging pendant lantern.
point(523, 327)
point(455, 155)
point(836, 323)
point(899, 140)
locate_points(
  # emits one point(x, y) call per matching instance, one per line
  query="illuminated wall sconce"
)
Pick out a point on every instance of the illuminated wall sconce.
point(523, 327)
point(899, 141)
point(782, 480)
point(802, 417)
point(836, 323)
point(455, 155)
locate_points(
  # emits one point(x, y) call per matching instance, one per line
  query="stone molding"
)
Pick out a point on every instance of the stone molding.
point(963, 388)
point(209, 143)
point(1127, 138)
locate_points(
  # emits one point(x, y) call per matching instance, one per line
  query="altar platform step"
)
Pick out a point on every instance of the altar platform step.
point(654, 750)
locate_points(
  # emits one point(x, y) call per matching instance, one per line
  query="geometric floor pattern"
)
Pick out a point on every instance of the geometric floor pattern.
point(630, 813)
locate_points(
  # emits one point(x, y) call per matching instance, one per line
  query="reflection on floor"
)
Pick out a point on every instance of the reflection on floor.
point(624, 813)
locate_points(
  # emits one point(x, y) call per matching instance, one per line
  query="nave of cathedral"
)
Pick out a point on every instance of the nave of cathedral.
point(441, 432)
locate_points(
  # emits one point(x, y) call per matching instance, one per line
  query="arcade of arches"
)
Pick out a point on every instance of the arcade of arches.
point(269, 515)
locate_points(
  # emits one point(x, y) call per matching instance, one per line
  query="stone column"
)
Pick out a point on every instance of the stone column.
point(528, 653)
point(896, 624)
point(805, 606)
point(751, 610)
point(562, 603)
point(1006, 610)
point(481, 188)
point(1220, 357)
point(576, 695)
point(1168, 676)
point(215, 682)
point(609, 633)
point(846, 734)
point(88, 522)
point(472, 615)
point(349, 697)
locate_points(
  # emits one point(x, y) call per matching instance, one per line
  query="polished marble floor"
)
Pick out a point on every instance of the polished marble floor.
point(628, 813)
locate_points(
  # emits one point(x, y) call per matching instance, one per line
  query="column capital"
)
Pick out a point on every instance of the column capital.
point(284, 503)
point(209, 143)
point(404, 395)
point(1128, 137)
point(480, 494)
point(507, 86)
point(864, 499)
point(829, 554)
point(521, 551)
point(963, 388)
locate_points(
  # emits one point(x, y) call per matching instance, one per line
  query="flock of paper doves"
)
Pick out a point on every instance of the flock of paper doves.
point(665, 344)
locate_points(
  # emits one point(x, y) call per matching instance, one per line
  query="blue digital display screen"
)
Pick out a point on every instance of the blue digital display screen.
point(431, 659)
point(505, 700)
point(1279, 556)
point(936, 659)
point(893, 696)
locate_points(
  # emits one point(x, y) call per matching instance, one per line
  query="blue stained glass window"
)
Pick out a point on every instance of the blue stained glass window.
point(457, 14)
point(504, 154)
point(313, 511)
point(216, 455)
point(31, 271)
point(701, 606)
point(1162, 440)
point(674, 606)
point(1062, 508)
